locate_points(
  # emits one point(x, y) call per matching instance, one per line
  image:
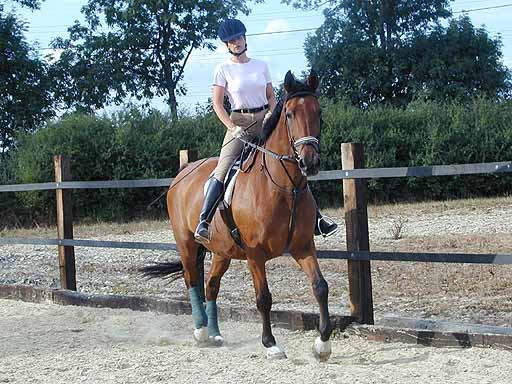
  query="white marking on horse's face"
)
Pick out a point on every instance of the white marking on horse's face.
point(301, 100)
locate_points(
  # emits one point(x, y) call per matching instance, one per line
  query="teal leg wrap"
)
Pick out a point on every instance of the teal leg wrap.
point(198, 312)
point(213, 325)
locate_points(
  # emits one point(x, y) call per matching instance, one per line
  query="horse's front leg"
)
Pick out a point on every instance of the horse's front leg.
point(264, 305)
point(307, 260)
point(219, 266)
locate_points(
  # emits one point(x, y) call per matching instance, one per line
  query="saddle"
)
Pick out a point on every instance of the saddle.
point(242, 164)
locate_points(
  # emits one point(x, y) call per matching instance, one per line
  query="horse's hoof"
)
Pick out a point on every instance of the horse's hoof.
point(275, 353)
point(201, 335)
point(322, 349)
point(217, 341)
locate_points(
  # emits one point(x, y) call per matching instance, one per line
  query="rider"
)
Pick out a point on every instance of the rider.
point(248, 85)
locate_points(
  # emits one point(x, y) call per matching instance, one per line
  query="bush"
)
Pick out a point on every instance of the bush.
point(422, 134)
point(135, 144)
point(132, 144)
point(14, 213)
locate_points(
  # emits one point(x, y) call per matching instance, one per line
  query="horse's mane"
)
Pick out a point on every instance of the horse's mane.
point(271, 123)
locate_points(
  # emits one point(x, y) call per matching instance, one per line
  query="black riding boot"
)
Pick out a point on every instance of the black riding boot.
point(325, 226)
point(212, 198)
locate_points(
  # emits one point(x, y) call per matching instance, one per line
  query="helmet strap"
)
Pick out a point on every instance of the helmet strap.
point(239, 53)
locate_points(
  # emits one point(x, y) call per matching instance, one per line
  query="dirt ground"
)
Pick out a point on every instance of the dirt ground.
point(457, 292)
point(46, 343)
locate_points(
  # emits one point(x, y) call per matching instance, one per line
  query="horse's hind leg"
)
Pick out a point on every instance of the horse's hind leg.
point(189, 251)
point(219, 266)
point(264, 304)
point(306, 258)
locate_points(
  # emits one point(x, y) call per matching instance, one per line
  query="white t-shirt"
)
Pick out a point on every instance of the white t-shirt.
point(245, 84)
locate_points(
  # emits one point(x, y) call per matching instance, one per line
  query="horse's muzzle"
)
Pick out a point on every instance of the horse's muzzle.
point(310, 164)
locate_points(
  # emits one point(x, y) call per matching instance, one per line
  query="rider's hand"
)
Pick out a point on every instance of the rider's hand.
point(239, 132)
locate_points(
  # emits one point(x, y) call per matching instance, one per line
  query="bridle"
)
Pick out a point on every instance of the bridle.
point(294, 144)
point(307, 140)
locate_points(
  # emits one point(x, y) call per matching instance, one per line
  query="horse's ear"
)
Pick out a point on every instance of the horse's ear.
point(289, 82)
point(312, 80)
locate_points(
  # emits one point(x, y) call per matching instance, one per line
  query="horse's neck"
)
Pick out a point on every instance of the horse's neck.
point(279, 143)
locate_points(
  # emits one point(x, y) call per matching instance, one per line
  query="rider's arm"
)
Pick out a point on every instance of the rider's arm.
point(271, 97)
point(218, 107)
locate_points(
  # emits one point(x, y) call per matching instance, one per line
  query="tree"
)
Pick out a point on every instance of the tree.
point(366, 40)
point(458, 62)
point(33, 4)
point(377, 51)
point(136, 47)
point(25, 91)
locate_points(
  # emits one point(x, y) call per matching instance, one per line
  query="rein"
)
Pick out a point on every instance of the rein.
point(266, 151)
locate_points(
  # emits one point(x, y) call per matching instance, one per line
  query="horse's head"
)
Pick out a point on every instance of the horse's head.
point(302, 115)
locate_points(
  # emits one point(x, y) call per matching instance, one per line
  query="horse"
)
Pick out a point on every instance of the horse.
point(274, 211)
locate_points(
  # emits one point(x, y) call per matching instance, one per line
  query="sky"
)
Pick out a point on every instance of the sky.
point(281, 51)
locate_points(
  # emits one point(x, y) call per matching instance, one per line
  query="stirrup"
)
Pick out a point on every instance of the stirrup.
point(199, 237)
point(330, 226)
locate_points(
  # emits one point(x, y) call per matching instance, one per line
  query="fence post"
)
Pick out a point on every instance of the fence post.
point(65, 224)
point(356, 224)
point(187, 156)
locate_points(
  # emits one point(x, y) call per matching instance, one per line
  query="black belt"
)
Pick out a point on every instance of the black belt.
point(250, 110)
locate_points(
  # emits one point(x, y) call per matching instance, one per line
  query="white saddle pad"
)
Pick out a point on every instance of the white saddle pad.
point(228, 189)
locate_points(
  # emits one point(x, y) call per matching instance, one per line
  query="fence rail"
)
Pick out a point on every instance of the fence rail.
point(339, 174)
point(455, 258)
point(357, 255)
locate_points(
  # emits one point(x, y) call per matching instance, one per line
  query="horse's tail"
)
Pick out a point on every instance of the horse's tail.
point(169, 270)
point(173, 270)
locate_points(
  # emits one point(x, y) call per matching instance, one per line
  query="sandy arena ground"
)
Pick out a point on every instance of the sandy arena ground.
point(467, 293)
point(46, 343)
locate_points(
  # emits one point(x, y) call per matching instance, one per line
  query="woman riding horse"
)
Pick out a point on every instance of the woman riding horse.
point(248, 85)
point(273, 207)
point(274, 211)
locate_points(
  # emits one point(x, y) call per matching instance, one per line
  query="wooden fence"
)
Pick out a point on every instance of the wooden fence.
point(358, 253)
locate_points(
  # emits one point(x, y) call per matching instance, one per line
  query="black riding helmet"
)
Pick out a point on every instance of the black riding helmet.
point(231, 29)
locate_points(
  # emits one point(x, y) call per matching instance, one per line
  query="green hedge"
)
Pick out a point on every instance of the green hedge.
point(134, 144)
point(421, 134)
point(129, 145)
point(13, 213)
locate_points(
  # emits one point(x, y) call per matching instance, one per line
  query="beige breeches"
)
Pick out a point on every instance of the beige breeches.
point(231, 146)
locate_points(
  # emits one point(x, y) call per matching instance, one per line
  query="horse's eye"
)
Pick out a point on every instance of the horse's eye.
point(289, 115)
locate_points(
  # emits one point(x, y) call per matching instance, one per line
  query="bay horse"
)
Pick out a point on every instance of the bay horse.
point(274, 211)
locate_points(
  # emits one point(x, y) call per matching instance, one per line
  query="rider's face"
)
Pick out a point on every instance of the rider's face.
point(236, 45)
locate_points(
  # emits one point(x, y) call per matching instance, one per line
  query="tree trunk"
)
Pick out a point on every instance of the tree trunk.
point(173, 104)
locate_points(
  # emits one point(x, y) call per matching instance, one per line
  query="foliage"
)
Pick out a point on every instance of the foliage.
point(32, 4)
point(138, 144)
point(132, 144)
point(457, 62)
point(396, 52)
point(422, 134)
point(25, 94)
point(137, 48)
